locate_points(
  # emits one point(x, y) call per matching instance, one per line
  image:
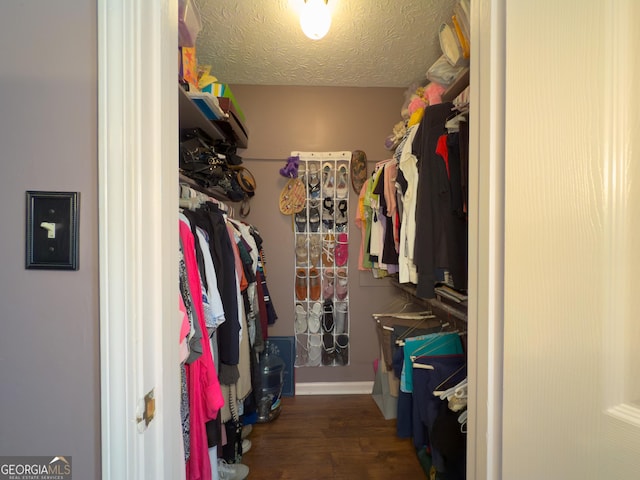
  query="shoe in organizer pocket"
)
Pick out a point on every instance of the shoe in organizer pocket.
point(301, 250)
point(328, 246)
point(301, 220)
point(327, 316)
point(340, 318)
point(301, 284)
point(342, 215)
point(328, 181)
point(328, 280)
point(314, 215)
point(341, 284)
point(314, 284)
point(313, 179)
point(328, 349)
point(327, 213)
point(315, 250)
point(341, 349)
point(342, 250)
point(300, 322)
point(314, 317)
point(342, 181)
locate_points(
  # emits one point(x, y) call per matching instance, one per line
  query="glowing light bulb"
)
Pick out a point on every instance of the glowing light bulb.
point(315, 19)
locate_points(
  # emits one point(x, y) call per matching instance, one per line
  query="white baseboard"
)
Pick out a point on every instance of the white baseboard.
point(334, 388)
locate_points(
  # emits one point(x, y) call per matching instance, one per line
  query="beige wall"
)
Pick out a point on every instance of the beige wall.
point(284, 119)
point(281, 119)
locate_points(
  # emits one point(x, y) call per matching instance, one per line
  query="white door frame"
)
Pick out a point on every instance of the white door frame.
point(138, 136)
point(486, 239)
point(138, 235)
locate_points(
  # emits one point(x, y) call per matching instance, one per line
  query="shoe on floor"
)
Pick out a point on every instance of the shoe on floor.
point(232, 471)
point(246, 445)
point(246, 431)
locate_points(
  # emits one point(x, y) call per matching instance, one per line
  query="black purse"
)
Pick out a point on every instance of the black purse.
point(201, 162)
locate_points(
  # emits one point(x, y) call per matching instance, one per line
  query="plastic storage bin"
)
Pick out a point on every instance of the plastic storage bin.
point(189, 23)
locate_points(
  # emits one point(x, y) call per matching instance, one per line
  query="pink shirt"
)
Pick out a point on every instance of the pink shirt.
point(205, 395)
point(185, 328)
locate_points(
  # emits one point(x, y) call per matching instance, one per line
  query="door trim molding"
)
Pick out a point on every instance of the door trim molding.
point(621, 123)
point(118, 459)
point(138, 241)
point(125, 185)
point(486, 239)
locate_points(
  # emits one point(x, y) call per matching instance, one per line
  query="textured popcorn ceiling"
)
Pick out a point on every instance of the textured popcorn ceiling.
point(371, 43)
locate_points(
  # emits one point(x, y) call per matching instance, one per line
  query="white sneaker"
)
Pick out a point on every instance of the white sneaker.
point(246, 430)
point(232, 471)
point(246, 445)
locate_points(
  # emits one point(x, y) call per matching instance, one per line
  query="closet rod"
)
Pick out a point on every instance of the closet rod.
point(432, 302)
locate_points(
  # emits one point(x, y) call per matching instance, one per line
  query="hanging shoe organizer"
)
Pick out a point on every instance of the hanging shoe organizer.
point(321, 297)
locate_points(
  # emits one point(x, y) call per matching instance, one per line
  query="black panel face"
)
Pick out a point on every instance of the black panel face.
point(52, 230)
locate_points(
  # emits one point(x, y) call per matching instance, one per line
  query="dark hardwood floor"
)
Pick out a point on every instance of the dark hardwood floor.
point(340, 437)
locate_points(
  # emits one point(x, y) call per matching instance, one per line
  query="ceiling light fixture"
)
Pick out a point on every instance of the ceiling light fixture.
point(315, 18)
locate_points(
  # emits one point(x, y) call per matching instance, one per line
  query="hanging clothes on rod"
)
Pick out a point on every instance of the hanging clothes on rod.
point(435, 425)
point(229, 313)
point(200, 377)
point(402, 311)
point(192, 195)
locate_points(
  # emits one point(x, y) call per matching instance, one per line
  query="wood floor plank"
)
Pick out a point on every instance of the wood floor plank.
point(333, 437)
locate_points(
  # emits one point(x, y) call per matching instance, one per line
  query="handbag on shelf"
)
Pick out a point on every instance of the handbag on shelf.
point(245, 179)
point(200, 161)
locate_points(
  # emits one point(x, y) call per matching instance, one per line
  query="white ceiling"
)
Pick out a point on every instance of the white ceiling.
point(371, 43)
